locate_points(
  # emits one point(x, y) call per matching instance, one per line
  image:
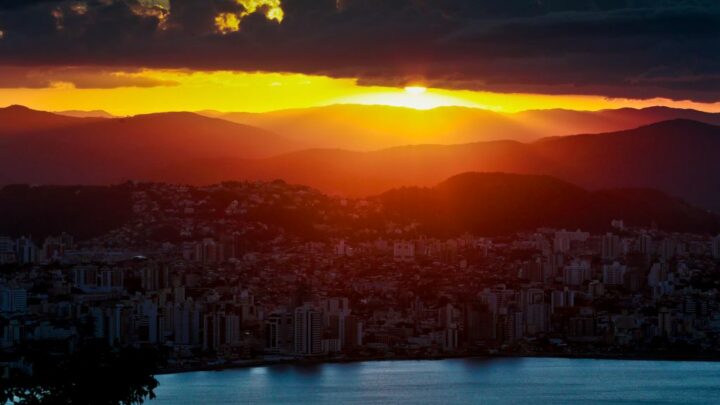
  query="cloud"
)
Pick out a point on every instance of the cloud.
point(77, 77)
point(616, 48)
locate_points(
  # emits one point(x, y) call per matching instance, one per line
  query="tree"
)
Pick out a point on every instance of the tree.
point(94, 374)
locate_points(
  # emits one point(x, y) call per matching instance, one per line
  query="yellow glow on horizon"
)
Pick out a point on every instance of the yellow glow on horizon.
point(226, 91)
point(415, 90)
point(419, 98)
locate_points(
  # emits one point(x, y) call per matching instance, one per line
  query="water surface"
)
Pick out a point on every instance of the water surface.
point(456, 381)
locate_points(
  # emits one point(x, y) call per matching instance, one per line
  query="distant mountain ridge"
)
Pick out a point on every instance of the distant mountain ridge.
point(86, 114)
point(678, 157)
point(54, 149)
point(372, 127)
point(17, 119)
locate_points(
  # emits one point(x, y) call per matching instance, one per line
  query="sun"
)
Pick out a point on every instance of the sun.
point(416, 97)
point(415, 90)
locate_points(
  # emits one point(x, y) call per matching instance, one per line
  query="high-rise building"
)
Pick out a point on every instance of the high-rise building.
point(665, 322)
point(7, 250)
point(26, 251)
point(658, 274)
point(596, 289)
point(186, 323)
point(353, 333)
point(716, 247)
point(533, 271)
point(307, 331)
point(576, 273)
point(54, 247)
point(13, 300)
point(404, 251)
point(561, 243)
point(7, 244)
point(666, 249)
point(219, 329)
point(479, 324)
point(118, 324)
point(535, 311)
point(645, 244)
point(232, 329)
point(611, 247)
point(562, 299)
point(614, 274)
point(563, 240)
point(279, 330)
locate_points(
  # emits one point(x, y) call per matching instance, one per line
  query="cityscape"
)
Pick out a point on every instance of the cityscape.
point(371, 202)
point(203, 275)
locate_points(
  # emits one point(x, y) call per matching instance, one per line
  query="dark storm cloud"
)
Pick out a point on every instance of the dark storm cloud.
point(617, 48)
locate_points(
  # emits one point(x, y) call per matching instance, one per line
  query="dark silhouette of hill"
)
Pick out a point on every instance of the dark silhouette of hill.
point(678, 157)
point(102, 151)
point(83, 211)
point(17, 119)
point(499, 203)
point(481, 203)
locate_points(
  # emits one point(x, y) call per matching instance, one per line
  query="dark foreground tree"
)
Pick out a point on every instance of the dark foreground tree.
point(94, 374)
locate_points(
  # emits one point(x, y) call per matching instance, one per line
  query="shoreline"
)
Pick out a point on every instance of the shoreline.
point(320, 361)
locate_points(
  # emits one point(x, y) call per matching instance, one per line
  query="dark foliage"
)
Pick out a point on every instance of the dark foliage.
point(82, 211)
point(496, 203)
point(94, 374)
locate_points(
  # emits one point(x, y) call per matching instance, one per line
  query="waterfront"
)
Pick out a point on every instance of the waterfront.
point(507, 380)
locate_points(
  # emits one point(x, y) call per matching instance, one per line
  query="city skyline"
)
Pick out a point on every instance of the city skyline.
point(359, 201)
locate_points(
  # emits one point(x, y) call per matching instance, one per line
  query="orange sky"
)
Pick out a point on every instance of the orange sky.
point(257, 92)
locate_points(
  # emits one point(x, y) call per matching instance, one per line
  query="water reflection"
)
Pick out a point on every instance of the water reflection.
point(460, 381)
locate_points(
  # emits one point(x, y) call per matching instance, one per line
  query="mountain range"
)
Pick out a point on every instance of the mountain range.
point(46, 148)
point(677, 157)
point(15, 120)
point(372, 127)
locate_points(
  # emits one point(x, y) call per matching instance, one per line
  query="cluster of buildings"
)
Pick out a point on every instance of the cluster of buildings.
point(265, 271)
point(24, 250)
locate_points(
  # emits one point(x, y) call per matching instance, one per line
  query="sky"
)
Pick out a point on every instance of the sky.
point(139, 56)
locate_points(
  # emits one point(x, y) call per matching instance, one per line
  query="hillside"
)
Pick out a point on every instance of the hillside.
point(677, 157)
point(102, 151)
point(480, 203)
point(17, 119)
point(83, 211)
point(86, 114)
point(498, 203)
point(371, 127)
